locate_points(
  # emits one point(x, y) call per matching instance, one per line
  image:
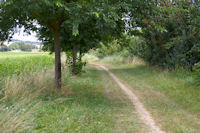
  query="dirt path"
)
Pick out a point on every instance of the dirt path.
point(143, 113)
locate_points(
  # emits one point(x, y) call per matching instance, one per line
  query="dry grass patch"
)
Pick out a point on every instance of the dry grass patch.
point(20, 98)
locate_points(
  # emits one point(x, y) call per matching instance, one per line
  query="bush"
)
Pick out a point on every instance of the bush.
point(173, 36)
point(78, 68)
point(108, 49)
point(138, 47)
point(4, 48)
point(120, 46)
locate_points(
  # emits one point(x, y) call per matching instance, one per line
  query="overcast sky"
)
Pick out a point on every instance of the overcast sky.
point(24, 37)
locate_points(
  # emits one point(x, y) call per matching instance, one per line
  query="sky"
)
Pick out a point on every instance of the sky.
point(24, 36)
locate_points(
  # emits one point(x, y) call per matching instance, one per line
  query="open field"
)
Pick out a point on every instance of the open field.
point(171, 97)
point(12, 64)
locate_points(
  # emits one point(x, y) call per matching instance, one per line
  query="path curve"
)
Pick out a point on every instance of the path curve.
point(143, 113)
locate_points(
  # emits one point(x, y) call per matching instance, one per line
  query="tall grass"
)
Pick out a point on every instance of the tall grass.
point(23, 77)
point(86, 104)
point(20, 97)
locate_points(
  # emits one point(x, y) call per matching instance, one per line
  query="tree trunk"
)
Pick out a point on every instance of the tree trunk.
point(57, 61)
point(74, 57)
point(80, 55)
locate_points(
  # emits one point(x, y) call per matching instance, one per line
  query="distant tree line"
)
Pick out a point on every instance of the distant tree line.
point(18, 46)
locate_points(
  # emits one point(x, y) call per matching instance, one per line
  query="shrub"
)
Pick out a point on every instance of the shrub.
point(78, 68)
point(108, 49)
point(120, 46)
point(4, 48)
point(172, 36)
point(138, 47)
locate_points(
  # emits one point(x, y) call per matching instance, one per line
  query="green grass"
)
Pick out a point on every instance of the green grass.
point(170, 96)
point(89, 108)
point(14, 64)
point(91, 103)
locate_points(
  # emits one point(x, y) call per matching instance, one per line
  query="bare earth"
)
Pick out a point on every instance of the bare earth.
point(142, 112)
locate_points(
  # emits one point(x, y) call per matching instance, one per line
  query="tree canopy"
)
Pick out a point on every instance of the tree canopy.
point(51, 17)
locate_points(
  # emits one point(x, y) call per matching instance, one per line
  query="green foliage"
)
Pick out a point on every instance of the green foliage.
point(4, 48)
point(109, 49)
point(166, 34)
point(14, 46)
point(79, 67)
point(21, 46)
point(138, 47)
point(120, 46)
point(196, 73)
point(125, 46)
point(88, 28)
point(58, 19)
point(79, 64)
point(172, 35)
point(82, 21)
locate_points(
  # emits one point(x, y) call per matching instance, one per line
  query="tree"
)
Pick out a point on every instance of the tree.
point(83, 31)
point(14, 46)
point(52, 16)
point(49, 14)
point(172, 34)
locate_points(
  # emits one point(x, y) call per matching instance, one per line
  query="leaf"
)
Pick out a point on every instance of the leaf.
point(59, 4)
point(161, 28)
point(97, 14)
point(75, 30)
